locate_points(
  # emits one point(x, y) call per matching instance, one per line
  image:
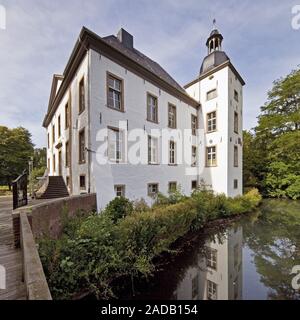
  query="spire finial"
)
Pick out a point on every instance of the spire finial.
point(214, 23)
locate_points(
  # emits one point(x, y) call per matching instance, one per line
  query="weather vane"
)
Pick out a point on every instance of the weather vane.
point(214, 23)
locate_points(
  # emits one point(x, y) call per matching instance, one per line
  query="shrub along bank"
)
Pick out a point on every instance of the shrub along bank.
point(124, 239)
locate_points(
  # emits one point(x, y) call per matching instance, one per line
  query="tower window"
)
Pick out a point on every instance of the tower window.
point(236, 96)
point(212, 94)
point(235, 184)
point(212, 288)
point(211, 156)
point(212, 122)
point(120, 191)
point(211, 258)
point(236, 156)
point(236, 122)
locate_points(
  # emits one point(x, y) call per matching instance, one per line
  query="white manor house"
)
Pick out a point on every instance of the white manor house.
point(119, 125)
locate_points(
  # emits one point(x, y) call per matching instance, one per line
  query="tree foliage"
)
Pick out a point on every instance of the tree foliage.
point(16, 148)
point(272, 152)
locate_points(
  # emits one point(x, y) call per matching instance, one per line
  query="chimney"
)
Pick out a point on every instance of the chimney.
point(126, 38)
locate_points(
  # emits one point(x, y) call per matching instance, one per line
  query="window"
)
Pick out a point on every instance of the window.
point(82, 146)
point(236, 122)
point(194, 125)
point(212, 94)
point(59, 128)
point(67, 160)
point(153, 189)
point(53, 134)
point(152, 108)
point(172, 117)
point(54, 164)
point(172, 186)
point(212, 293)
point(81, 96)
point(115, 92)
point(236, 96)
point(236, 156)
point(195, 287)
point(48, 140)
point(211, 156)
point(235, 184)
point(172, 153)
point(212, 121)
point(115, 145)
point(194, 185)
point(211, 258)
point(194, 156)
point(67, 116)
point(152, 150)
point(82, 182)
point(120, 191)
point(48, 163)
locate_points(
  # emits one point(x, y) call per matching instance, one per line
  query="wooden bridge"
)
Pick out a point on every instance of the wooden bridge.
point(10, 257)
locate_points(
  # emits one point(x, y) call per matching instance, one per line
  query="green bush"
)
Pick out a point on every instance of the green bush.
point(98, 249)
point(119, 208)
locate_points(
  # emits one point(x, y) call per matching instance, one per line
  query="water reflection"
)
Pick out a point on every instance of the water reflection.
point(251, 259)
point(218, 274)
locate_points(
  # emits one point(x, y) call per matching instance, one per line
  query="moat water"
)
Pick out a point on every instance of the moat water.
point(252, 259)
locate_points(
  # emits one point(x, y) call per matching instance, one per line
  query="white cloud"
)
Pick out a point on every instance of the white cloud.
point(40, 36)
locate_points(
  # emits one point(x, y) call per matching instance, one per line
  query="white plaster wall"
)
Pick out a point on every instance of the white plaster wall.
point(233, 172)
point(78, 122)
point(215, 177)
point(135, 177)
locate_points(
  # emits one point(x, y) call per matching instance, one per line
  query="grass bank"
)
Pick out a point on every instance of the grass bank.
point(123, 241)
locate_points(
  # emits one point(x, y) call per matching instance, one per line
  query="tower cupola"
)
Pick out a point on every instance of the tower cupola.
point(215, 56)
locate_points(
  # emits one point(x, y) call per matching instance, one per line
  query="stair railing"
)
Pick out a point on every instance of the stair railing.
point(42, 184)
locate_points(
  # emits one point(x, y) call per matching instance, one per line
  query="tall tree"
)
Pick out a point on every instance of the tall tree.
point(16, 148)
point(275, 147)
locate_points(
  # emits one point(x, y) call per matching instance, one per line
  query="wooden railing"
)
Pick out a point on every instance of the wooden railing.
point(20, 191)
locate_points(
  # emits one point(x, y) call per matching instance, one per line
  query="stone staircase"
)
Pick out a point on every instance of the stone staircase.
point(56, 189)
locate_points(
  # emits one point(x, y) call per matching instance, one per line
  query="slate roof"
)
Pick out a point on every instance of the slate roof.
point(213, 60)
point(143, 60)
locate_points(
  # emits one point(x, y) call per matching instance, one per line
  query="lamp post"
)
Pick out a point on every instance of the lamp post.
point(30, 171)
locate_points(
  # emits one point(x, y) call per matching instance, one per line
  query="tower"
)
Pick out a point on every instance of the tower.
point(219, 89)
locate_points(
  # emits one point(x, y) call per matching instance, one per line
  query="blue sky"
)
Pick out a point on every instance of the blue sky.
point(40, 34)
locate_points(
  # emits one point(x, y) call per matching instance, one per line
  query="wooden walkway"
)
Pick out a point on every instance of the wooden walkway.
point(10, 257)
